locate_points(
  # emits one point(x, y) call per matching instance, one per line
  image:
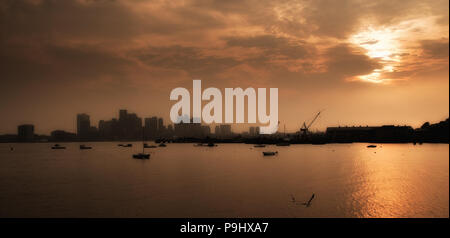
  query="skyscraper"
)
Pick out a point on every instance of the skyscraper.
point(225, 130)
point(123, 115)
point(254, 131)
point(130, 126)
point(83, 126)
point(160, 124)
point(151, 126)
point(25, 133)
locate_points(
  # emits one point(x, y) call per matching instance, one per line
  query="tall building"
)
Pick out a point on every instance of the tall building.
point(170, 130)
point(83, 126)
point(130, 126)
point(190, 130)
point(151, 127)
point(254, 131)
point(25, 133)
point(109, 130)
point(223, 131)
point(123, 115)
point(206, 130)
point(217, 130)
point(161, 127)
point(60, 135)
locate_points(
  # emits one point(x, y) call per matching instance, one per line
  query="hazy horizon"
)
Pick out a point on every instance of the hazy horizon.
point(362, 62)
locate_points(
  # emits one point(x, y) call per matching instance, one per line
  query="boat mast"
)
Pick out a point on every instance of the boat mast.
point(143, 139)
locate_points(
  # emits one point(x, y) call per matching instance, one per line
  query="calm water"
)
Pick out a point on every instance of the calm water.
point(231, 180)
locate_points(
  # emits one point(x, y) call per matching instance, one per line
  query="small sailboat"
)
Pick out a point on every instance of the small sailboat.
point(149, 146)
point(285, 141)
point(142, 155)
point(58, 147)
point(270, 153)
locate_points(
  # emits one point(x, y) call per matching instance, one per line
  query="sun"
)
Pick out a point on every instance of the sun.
point(383, 45)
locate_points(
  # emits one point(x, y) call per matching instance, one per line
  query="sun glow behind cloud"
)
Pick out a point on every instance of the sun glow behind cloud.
point(382, 44)
point(389, 44)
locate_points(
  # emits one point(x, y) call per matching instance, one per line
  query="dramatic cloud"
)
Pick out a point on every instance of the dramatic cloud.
point(436, 48)
point(100, 55)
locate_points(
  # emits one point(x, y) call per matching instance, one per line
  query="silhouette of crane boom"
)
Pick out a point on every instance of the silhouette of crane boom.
point(305, 128)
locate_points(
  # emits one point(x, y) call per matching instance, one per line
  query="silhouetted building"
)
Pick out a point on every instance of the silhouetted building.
point(217, 130)
point(253, 131)
point(206, 131)
point(170, 130)
point(223, 131)
point(151, 127)
point(161, 128)
point(83, 126)
point(191, 130)
point(130, 126)
point(387, 133)
point(60, 135)
point(123, 114)
point(25, 133)
point(109, 130)
point(8, 138)
point(350, 133)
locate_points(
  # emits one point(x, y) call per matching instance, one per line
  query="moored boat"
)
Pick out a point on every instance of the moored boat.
point(58, 147)
point(270, 153)
point(149, 146)
point(84, 147)
point(141, 156)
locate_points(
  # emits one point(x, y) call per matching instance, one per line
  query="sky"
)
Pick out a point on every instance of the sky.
point(360, 62)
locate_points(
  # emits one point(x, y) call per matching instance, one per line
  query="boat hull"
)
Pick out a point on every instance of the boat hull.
point(141, 156)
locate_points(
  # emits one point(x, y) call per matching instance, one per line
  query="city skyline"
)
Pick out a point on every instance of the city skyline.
point(129, 126)
point(363, 62)
point(236, 128)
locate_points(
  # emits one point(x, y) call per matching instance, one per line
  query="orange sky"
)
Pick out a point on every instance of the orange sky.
point(362, 62)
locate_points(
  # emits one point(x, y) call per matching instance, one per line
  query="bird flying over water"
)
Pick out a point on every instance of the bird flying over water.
point(306, 204)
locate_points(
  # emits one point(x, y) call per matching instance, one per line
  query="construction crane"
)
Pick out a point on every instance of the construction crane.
point(304, 130)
